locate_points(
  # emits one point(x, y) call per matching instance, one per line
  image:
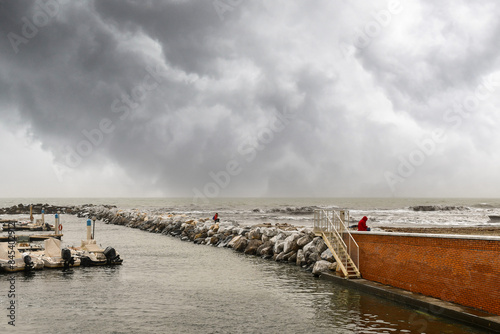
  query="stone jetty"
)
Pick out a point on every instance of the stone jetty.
point(48, 209)
point(281, 242)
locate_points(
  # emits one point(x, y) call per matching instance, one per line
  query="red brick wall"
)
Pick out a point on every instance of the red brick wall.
point(463, 271)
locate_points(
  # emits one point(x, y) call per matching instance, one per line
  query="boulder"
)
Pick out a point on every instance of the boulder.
point(234, 241)
point(255, 234)
point(327, 255)
point(301, 259)
point(200, 235)
point(252, 246)
point(304, 240)
point(279, 257)
point(265, 245)
point(225, 242)
point(321, 266)
point(241, 244)
point(313, 257)
point(290, 243)
point(213, 240)
point(288, 255)
point(278, 246)
point(280, 236)
point(270, 232)
point(316, 245)
point(321, 246)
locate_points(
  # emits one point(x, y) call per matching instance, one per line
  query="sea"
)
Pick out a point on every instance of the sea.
point(166, 285)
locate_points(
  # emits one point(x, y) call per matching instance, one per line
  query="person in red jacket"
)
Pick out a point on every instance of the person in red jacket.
point(362, 224)
point(216, 218)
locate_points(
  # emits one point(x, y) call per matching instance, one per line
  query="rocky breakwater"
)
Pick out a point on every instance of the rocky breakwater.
point(438, 208)
point(281, 242)
point(48, 209)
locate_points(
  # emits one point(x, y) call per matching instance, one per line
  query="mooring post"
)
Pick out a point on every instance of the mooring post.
point(93, 227)
point(56, 224)
point(89, 224)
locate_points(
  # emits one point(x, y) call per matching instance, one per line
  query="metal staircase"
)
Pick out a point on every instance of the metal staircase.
point(331, 226)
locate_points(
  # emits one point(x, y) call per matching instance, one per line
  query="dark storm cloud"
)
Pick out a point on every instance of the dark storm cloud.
point(254, 98)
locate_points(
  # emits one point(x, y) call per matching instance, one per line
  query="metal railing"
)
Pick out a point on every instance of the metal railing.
point(333, 224)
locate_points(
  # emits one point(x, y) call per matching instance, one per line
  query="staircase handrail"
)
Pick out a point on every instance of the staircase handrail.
point(325, 223)
point(350, 238)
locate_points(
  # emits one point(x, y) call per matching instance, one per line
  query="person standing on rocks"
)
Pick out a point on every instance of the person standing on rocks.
point(362, 224)
point(216, 218)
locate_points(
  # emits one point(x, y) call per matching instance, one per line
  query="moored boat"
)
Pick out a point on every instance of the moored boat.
point(11, 260)
point(55, 257)
point(91, 254)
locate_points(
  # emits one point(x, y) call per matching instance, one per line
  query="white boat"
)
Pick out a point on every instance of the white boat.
point(55, 257)
point(93, 255)
point(27, 225)
point(11, 260)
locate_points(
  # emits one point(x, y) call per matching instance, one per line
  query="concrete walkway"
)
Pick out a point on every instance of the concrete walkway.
point(467, 315)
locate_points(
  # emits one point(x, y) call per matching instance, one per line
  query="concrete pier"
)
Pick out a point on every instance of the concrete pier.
point(467, 315)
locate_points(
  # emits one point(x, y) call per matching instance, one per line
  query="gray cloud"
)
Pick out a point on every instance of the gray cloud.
point(173, 94)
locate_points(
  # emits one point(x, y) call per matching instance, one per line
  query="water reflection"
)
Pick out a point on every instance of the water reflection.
point(351, 310)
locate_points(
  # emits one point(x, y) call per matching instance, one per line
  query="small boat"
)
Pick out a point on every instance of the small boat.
point(92, 255)
point(55, 257)
point(32, 237)
point(11, 260)
point(39, 225)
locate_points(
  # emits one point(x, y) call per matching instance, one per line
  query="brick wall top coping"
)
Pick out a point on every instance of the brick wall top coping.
point(426, 235)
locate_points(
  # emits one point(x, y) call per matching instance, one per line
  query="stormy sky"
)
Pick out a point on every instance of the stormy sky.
point(205, 99)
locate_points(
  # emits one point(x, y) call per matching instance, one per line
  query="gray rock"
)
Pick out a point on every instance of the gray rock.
point(327, 256)
point(278, 246)
point(309, 248)
point(301, 259)
point(313, 257)
point(255, 234)
point(321, 266)
point(304, 240)
point(291, 243)
point(270, 232)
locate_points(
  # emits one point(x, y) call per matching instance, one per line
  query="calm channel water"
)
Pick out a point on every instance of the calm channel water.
point(169, 286)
